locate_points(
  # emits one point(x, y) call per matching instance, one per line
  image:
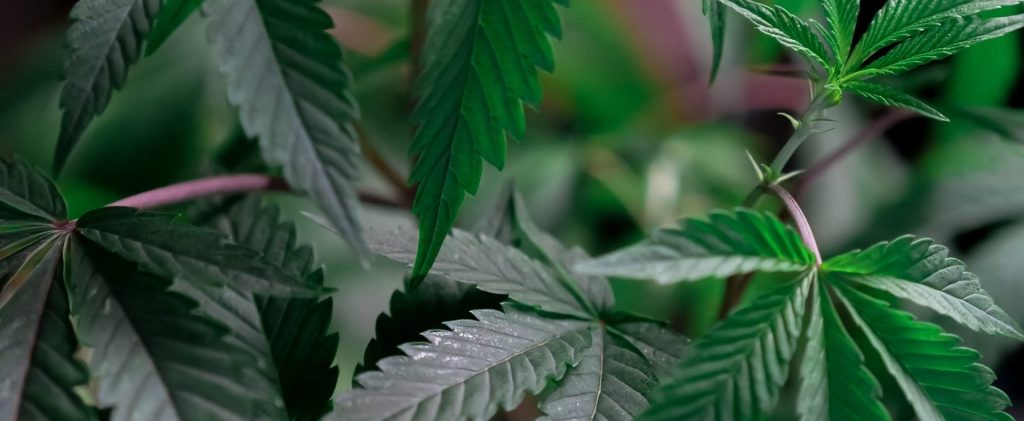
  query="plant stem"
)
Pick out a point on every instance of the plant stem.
point(382, 166)
point(802, 226)
point(221, 185)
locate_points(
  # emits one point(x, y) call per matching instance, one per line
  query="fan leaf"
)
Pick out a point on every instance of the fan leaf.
point(286, 75)
point(469, 371)
point(842, 18)
point(480, 67)
point(736, 370)
point(893, 98)
point(785, 27)
point(176, 250)
point(662, 347)
point(727, 244)
point(28, 195)
point(104, 40)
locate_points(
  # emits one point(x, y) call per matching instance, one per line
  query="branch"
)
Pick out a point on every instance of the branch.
point(382, 166)
point(804, 227)
point(221, 185)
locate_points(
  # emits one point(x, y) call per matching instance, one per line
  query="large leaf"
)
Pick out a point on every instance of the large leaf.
point(152, 357)
point(480, 66)
point(842, 18)
point(940, 379)
point(28, 195)
point(785, 27)
point(717, 21)
point(922, 271)
point(834, 383)
point(662, 347)
point(491, 266)
point(893, 98)
point(38, 369)
point(469, 371)
point(285, 74)
point(609, 384)
point(901, 19)
point(105, 39)
point(747, 352)
point(726, 244)
point(940, 42)
point(176, 250)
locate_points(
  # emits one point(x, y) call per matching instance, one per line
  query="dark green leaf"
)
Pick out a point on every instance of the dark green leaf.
point(38, 369)
point(940, 379)
point(469, 371)
point(171, 16)
point(104, 40)
point(26, 194)
point(893, 98)
point(152, 356)
point(727, 244)
point(785, 27)
point(176, 250)
point(717, 20)
point(480, 61)
point(287, 77)
point(749, 351)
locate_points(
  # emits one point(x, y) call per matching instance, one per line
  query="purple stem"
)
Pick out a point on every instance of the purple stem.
point(802, 225)
point(203, 187)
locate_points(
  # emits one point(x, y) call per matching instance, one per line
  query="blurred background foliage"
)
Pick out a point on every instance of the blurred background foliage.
point(629, 137)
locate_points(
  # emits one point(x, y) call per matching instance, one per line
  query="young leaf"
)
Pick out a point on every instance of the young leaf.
point(941, 41)
point(28, 195)
point(469, 371)
point(891, 97)
point(940, 379)
point(901, 19)
point(104, 40)
point(608, 384)
point(176, 250)
point(171, 16)
point(717, 20)
point(842, 18)
point(834, 383)
point(749, 351)
point(38, 368)
point(480, 62)
point(785, 27)
point(492, 267)
point(152, 357)
point(286, 75)
point(922, 271)
point(727, 244)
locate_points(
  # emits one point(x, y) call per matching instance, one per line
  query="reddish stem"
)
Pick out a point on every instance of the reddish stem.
point(802, 226)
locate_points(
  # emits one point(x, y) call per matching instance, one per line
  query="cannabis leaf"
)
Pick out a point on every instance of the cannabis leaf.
point(842, 19)
point(286, 75)
point(716, 19)
point(104, 40)
point(788, 29)
point(27, 195)
point(171, 16)
point(891, 97)
point(480, 61)
point(726, 244)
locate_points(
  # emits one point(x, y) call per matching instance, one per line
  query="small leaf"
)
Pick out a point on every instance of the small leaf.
point(717, 20)
point(842, 18)
point(922, 271)
point(171, 16)
point(727, 244)
point(104, 40)
point(891, 97)
point(749, 351)
point(176, 250)
point(940, 379)
point(469, 371)
point(785, 27)
point(492, 267)
point(286, 75)
point(26, 194)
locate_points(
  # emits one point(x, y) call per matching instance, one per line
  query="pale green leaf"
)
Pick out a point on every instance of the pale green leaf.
point(893, 98)
point(785, 27)
point(842, 20)
point(726, 244)
point(662, 347)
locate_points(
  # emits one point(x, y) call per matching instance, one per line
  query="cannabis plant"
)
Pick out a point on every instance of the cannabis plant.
point(218, 311)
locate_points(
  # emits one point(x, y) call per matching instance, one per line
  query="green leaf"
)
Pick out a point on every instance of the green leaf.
point(717, 20)
point(153, 358)
point(176, 250)
point(104, 40)
point(727, 244)
point(842, 18)
point(834, 383)
point(286, 75)
point(902, 19)
point(922, 272)
point(288, 335)
point(492, 267)
point(26, 194)
point(662, 347)
point(608, 384)
point(893, 98)
point(940, 379)
point(38, 368)
point(735, 371)
point(480, 61)
point(785, 27)
point(941, 41)
point(469, 371)
point(171, 16)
